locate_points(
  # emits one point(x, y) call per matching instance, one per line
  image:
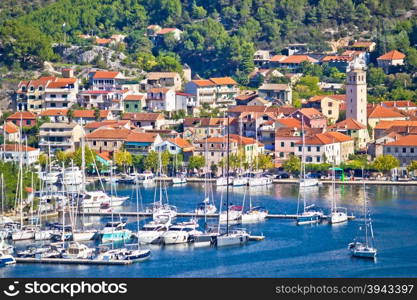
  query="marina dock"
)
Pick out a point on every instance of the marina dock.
point(145, 214)
point(71, 261)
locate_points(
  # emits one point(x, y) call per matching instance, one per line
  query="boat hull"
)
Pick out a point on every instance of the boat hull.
point(23, 235)
point(231, 240)
point(115, 236)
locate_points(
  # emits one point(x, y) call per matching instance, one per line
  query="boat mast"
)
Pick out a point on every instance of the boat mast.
point(111, 203)
point(303, 167)
point(333, 182)
point(227, 178)
point(364, 210)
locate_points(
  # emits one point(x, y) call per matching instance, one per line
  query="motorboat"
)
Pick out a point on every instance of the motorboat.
point(78, 251)
point(181, 233)
point(240, 181)
point(96, 199)
point(72, 176)
point(127, 178)
point(255, 214)
point(114, 231)
point(151, 232)
point(306, 182)
point(233, 216)
point(84, 235)
point(179, 180)
point(50, 177)
point(205, 208)
point(6, 257)
point(44, 234)
point(222, 181)
point(145, 178)
point(259, 181)
point(232, 238)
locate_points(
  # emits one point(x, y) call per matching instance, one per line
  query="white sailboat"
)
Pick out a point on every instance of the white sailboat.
point(338, 214)
point(6, 257)
point(364, 247)
point(181, 233)
point(253, 214)
point(230, 237)
point(309, 215)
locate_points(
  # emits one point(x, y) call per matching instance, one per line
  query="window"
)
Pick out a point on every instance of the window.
point(330, 104)
point(115, 144)
point(411, 150)
point(309, 148)
point(94, 143)
point(27, 122)
point(127, 106)
point(292, 144)
point(309, 159)
point(212, 153)
point(300, 148)
point(65, 104)
point(396, 150)
point(105, 143)
point(318, 148)
point(281, 154)
point(329, 112)
point(282, 144)
point(404, 150)
point(318, 158)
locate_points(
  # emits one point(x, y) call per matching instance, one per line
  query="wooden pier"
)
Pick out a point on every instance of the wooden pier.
point(71, 261)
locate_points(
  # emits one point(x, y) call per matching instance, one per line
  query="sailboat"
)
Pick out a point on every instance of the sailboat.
point(6, 251)
point(254, 213)
point(240, 180)
point(159, 209)
point(114, 230)
point(364, 248)
point(205, 207)
point(178, 179)
point(338, 214)
point(309, 215)
point(237, 236)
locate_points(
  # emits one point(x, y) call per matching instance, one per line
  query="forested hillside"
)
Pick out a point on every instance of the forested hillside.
point(219, 37)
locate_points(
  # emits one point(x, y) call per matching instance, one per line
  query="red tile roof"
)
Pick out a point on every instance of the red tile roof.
point(350, 124)
point(16, 148)
point(134, 98)
point(379, 112)
point(278, 58)
point(141, 137)
point(245, 140)
point(388, 124)
point(392, 55)
point(158, 90)
point(341, 97)
point(105, 155)
point(310, 113)
point(109, 134)
point(326, 138)
point(223, 81)
point(166, 30)
point(24, 115)
point(54, 112)
point(345, 58)
point(290, 122)
point(408, 140)
point(105, 74)
point(107, 123)
point(10, 128)
point(182, 143)
point(298, 59)
point(90, 114)
point(203, 82)
point(399, 103)
point(143, 116)
point(204, 122)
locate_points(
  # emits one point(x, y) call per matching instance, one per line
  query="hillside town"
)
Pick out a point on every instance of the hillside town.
point(189, 116)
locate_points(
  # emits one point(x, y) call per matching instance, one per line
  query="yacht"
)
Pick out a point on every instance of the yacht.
point(338, 214)
point(78, 251)
point(24, 233)
point(254, 214)
point(240, 181)
point(179, 180)
point(6, 251)
point(72, 176)
point(260, 181)
point(114, 231)
point(50, 177)
point(235, 215)
point(181, 233)
point(205, 208)
point(127, 178)
point(364, 248)
point(145, 178)
point(232, 238)
point(84, 235)
point(97, 198)
point(159, 210)
point(306, 182)
point(44, 234)
point(309, 216)
point(151, 232)
point(222, 181)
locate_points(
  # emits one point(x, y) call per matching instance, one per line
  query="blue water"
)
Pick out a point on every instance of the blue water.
point(288, 250)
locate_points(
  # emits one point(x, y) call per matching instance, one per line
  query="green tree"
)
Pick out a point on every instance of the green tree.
point(385, 163)
point(97, 115)
point(43, 160)
point(265, 162)
point(167, 63)
point(123, 159)
point(376, 76)
point(152, 161)
point(89, 156)
point(196, 162)
point(70, 115)
point(292, 164)
point(412, 166)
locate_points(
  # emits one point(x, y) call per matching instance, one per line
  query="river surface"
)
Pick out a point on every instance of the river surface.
point(288, 250)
